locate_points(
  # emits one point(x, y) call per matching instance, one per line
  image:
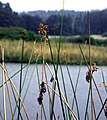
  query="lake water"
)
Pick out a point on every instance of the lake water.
point(31, 103)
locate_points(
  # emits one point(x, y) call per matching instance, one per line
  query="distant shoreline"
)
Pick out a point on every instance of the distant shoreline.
point(69, 50)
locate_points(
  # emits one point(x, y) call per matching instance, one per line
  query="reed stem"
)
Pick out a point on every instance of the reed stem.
point(20, 84)
point(10, 101)
point(3, 88)
point(65, 102)
point(11, 82)
point(39, 89)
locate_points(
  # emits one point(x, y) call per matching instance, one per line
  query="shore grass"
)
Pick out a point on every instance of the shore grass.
point(67, 50)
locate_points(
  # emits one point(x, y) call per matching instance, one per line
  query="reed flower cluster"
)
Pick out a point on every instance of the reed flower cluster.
point(90, 72)
point(42, 91)
point(43, 30)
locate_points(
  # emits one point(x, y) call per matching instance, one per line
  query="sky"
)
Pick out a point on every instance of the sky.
point(77, 5)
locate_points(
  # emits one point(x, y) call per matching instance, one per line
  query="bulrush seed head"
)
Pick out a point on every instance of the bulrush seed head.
point(52, 79)
point(43, 31)
point(90, 72)
point(42, 91)
point(42, 87)
point(40, 99)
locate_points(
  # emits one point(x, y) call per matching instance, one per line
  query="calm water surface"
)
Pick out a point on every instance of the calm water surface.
point(31, 103)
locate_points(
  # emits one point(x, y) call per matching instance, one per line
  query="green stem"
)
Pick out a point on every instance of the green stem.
point(21, 76)
point(73, 91)
point(49, 94)
point(28, 64)
point(77, 81)
point(28, 84)
point(91, 77)
point(64, 91)
point(86, 111)
point(22, 85)
point(54, 85)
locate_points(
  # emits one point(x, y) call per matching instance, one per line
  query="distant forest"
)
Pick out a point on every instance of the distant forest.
point(74, 22)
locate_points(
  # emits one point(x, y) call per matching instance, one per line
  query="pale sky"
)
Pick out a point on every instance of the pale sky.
point(77, 5)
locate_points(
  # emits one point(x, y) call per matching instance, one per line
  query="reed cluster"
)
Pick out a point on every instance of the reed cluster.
point(56, 53)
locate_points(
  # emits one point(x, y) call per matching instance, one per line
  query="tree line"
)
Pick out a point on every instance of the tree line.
point(74, 23)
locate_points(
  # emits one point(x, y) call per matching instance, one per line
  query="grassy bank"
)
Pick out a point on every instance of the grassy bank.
point(71, 51)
